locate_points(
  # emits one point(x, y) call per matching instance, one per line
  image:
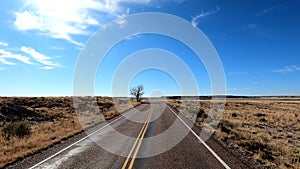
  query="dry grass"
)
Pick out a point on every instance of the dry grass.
point(51, 119)
point(266, 129)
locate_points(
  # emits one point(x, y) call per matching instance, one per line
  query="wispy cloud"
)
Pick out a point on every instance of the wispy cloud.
point(57, 48)
point(135, 35)
point(238, 73)
point(195, 20)
point(267, 10)
point(47, 67)
point(288, 69)
point(55, 28)
point(41, 58)
point(4, 61)
point(122, 22)
point(64, 19)
point(255, 28)
point(6, 57)
point(179, 1)
point(232, 89)
point(115, 6)
point(128, 11)
point(3, 43)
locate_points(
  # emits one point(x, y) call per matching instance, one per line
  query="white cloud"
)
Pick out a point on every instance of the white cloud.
point(4, 61)
point(287, 69)
point(62, 19)
point(3, 44)
point(128, 11)
point(195, 20)
point(57, 29)
point(41, 58)
point(121, 22)
point(92, 21)
point(47, 67)
point(27, 21)
point(5, 56)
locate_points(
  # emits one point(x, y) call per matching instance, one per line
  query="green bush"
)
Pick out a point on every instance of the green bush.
point(18, 129)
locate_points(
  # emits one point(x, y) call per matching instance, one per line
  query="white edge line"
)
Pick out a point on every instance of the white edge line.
point(64, 149)
point(206, 146)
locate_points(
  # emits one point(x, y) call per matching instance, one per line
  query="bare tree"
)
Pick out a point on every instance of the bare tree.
point(137, 92)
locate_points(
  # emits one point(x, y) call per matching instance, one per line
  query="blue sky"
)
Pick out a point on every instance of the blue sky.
point(258, 43)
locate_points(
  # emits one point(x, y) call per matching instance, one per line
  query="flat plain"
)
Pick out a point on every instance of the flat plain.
point(265, 129)
point(50, 120)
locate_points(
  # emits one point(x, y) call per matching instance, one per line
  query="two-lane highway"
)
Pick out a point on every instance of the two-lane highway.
point(149, 136)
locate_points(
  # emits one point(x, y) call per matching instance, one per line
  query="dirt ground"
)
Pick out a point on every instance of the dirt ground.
point(51, 119)
point(265, 129)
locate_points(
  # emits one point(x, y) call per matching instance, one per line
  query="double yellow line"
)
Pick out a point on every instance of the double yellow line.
point(137, 144)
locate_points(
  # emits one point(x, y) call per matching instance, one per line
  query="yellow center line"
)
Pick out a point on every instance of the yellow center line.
point(139, 141)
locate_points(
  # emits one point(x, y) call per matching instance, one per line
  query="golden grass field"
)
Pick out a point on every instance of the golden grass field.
point(264, 129)
point(51, 119)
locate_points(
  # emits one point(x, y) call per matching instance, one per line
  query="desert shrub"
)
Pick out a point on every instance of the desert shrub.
point(110, 115)
point(22, 129)
point(252, 145)
point(227, 123)
point(201, 113)
point(234, 114)
point(105, 105)
point(18, 129)
point(263, 120)
point(296, 156)
point(259, 115)
point(57, 115)
point(262, 149)
point(226, 126)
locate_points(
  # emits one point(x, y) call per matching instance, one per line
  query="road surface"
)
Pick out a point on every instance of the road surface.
point(135, 139)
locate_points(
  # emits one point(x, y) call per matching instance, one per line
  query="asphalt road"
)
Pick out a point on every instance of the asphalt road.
point(149, 136)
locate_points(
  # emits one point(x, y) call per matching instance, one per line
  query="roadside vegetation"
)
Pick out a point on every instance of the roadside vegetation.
point(265, 130)
point(29, 124)
point(18, 129)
